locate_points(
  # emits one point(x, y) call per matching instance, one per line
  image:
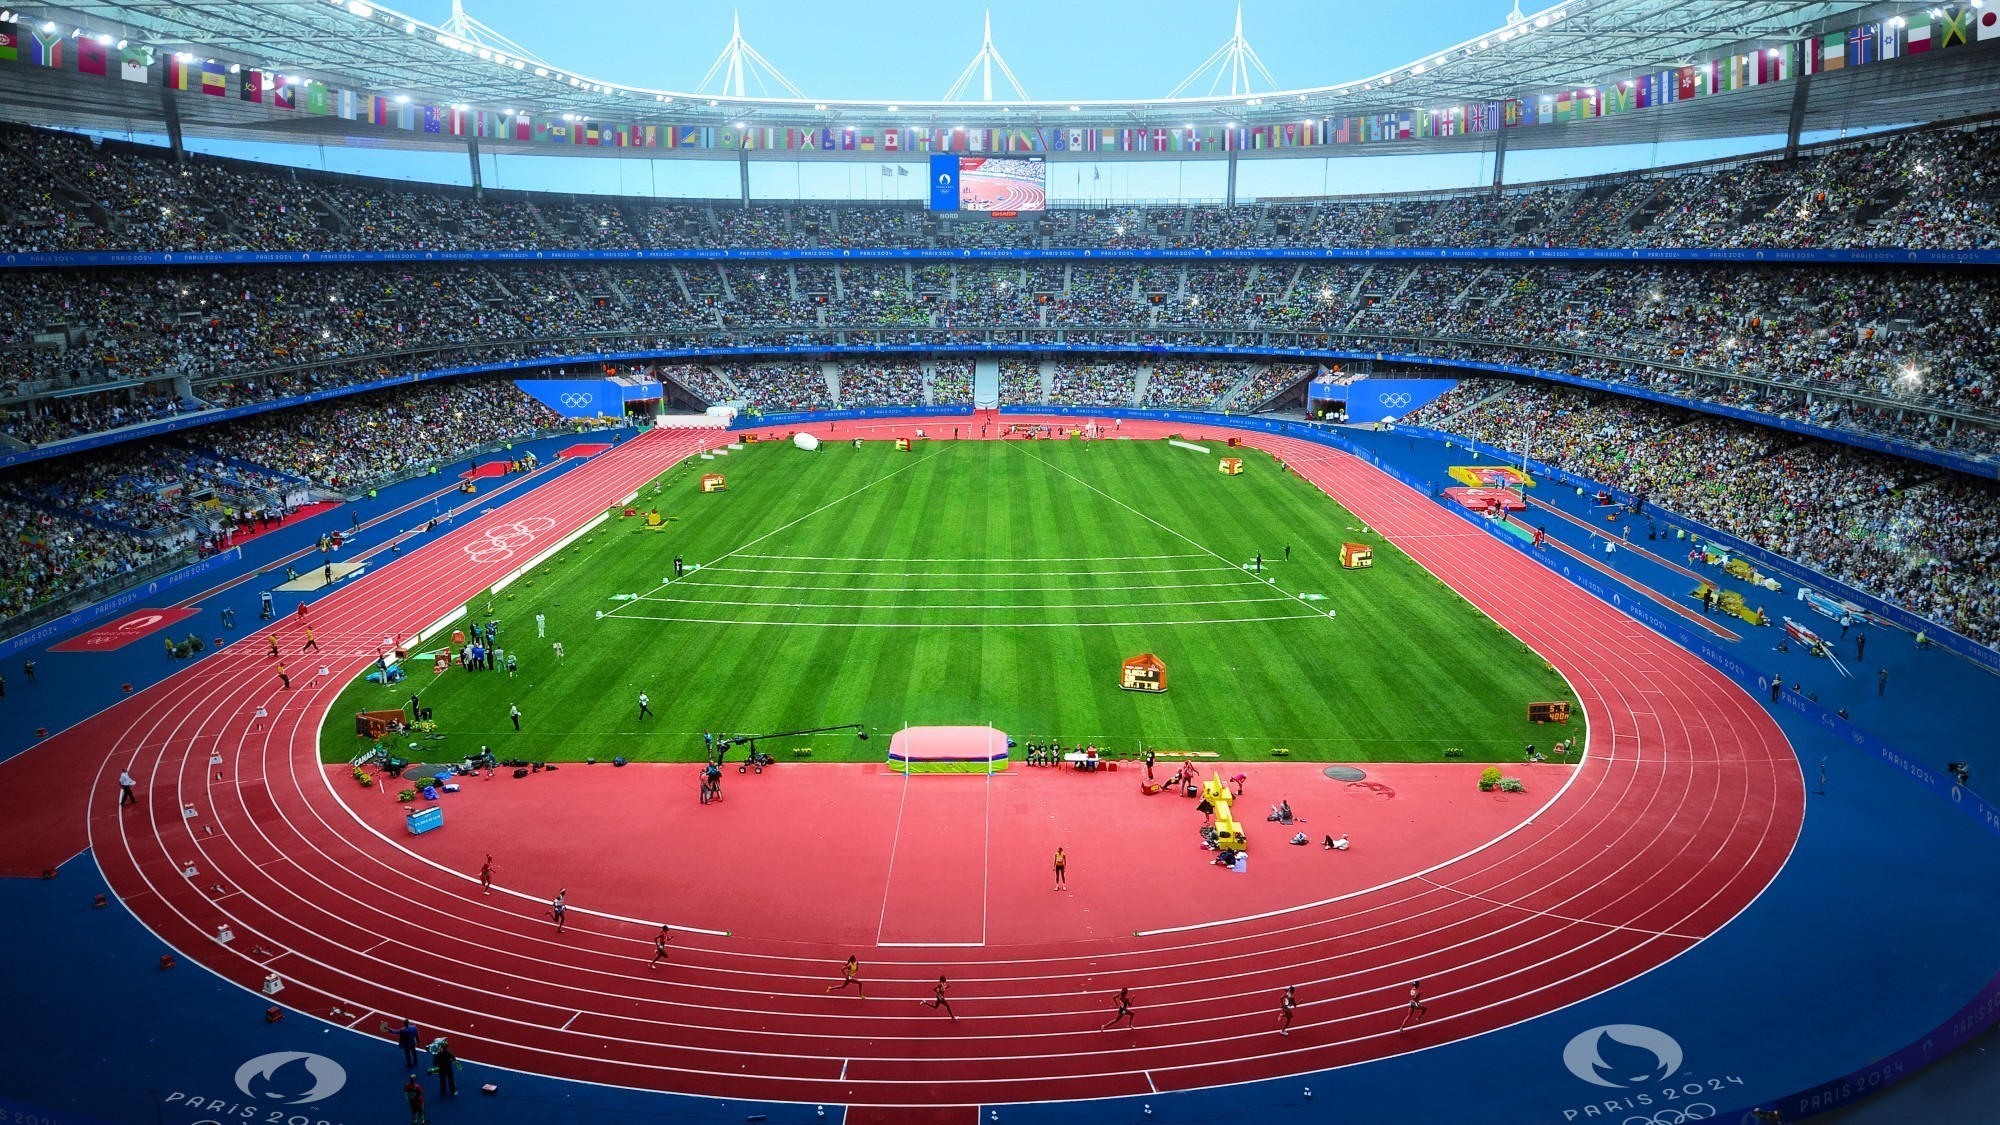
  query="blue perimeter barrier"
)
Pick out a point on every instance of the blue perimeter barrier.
point(1972, 466)
point(1770, 255)
point(50, 630)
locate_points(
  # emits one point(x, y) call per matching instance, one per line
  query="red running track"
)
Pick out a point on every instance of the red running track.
point(1685, 807)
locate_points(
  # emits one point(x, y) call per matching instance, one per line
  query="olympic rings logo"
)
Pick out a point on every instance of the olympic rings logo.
point(575, 398)
point(502, 539)
point(1398, 399)
point(1696, 1111)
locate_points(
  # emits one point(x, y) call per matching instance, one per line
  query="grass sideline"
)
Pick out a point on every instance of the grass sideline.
point(985, 582)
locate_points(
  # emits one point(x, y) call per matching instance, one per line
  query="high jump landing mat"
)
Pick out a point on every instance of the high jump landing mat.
point(948, 750)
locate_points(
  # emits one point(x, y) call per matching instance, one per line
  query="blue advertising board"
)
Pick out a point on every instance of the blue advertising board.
point(944, 182)
point(1378, 400)
point(587, 398)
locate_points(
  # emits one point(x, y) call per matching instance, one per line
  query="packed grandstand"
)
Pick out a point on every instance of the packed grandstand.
point(1899, 353)
point(1677, 431)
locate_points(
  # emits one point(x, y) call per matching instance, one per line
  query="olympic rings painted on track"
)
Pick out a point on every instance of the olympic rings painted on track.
point(1694, 1111)
point(501, 540)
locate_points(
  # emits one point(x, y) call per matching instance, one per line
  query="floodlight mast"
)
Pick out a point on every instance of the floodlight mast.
point(982, 64)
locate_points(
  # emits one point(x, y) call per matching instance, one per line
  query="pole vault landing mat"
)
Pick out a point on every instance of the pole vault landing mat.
point(125, 630)
point(489, 469)
point(586, 449)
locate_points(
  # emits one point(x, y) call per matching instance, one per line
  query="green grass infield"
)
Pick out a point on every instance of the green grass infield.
point(966, 583)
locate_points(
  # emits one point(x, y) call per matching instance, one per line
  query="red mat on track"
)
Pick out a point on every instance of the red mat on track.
point(586, 449)
point(125, 630)
point(489, 469)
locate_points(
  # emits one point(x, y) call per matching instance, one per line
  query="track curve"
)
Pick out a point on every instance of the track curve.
point(1684, 808)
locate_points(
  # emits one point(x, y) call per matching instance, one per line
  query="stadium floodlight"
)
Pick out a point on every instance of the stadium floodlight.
point(982, 64)
point(1235, 59)
point(739, 60)
point(48, 25)
point(402, 99)
point(357, 8)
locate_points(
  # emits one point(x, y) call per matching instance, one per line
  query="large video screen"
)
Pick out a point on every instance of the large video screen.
point(989, 183)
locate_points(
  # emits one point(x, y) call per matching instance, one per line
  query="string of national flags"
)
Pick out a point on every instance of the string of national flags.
point(1937, 29)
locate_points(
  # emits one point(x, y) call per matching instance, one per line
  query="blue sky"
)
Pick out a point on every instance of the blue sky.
point(903, 49)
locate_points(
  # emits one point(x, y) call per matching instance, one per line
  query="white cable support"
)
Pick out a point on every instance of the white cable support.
point(1235, 60)
point(982, 64)
point(739, 60)
point(473, 31)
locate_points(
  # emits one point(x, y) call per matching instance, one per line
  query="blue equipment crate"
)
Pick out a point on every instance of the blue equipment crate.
point(425, 819)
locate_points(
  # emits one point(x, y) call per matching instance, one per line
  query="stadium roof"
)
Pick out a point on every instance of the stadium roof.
point(357, 45)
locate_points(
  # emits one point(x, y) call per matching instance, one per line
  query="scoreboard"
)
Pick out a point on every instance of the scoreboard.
point(996, 185)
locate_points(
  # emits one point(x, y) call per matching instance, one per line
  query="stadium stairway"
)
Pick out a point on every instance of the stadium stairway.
point(986, 383)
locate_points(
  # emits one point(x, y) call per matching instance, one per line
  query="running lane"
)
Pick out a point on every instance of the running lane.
point(1685, 807)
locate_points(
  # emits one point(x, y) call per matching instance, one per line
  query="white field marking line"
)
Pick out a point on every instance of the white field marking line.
point(1007, 559)
point(953, 589)
point(972, 624)
point(1490, 901)
point(983, 605)
point(895, 842)
point(815, 511)
point(1134, 511)
point(965, 573)
point(986, 847)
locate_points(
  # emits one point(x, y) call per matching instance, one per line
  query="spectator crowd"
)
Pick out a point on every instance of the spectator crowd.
point(1921, 537)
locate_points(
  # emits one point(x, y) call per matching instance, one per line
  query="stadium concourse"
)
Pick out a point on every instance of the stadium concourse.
point(1560, 941)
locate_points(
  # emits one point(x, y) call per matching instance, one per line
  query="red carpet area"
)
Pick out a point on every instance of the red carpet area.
point(125, 630)
point(1684, 808)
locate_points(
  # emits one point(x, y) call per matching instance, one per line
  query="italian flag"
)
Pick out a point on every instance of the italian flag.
point(1917, 37)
